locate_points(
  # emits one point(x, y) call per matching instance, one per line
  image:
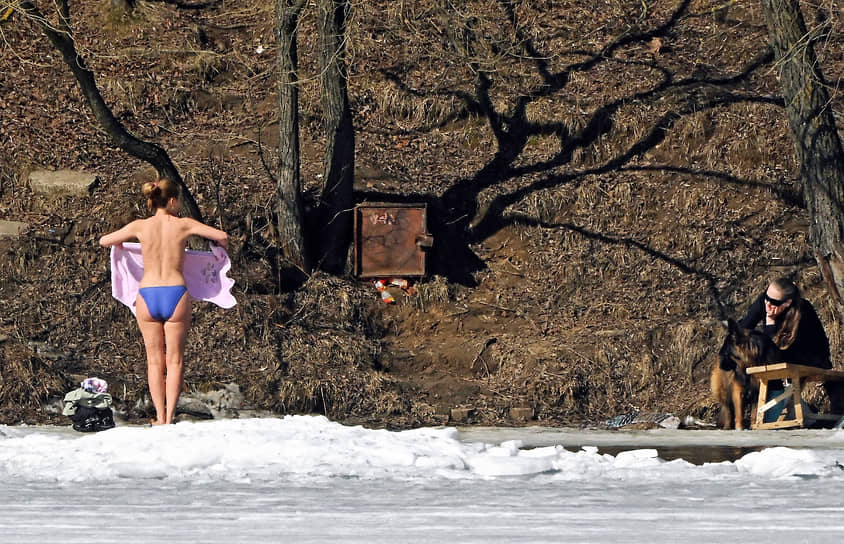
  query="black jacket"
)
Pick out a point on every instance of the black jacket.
point(810, 346)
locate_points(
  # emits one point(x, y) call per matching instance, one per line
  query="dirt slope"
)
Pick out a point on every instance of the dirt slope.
point(605, 182)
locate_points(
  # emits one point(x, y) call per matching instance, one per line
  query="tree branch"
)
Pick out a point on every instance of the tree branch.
point(62, 39)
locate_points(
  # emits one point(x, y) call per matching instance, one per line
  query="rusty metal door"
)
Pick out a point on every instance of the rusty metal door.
point(391, 240)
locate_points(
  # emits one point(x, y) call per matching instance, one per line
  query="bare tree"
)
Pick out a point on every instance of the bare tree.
point(289, 183)
point(339, 160)
point(819, 148)
point(333, 240)
point(61, 36)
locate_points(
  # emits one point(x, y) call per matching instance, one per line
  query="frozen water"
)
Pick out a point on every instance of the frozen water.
point(307, 479)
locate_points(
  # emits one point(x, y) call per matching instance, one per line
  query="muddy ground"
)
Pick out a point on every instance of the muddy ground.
point(605, 182)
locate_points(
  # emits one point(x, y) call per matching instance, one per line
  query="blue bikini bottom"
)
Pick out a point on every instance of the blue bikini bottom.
point(162, 301)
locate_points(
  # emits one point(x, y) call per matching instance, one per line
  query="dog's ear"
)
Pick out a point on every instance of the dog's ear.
point(733, 327)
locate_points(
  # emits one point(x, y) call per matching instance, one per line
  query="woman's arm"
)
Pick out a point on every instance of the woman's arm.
point(119, 236)
point(201, 229)
point(755, 313)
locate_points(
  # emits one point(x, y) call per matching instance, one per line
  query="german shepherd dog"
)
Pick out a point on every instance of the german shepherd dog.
point(731, 385)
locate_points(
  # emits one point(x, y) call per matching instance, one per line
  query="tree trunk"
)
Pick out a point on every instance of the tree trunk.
point(292, 242)
point(62, 39)
point(819, 147)
point(339, 162)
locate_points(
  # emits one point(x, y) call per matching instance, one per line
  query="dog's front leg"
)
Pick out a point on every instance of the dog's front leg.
point(737, 392)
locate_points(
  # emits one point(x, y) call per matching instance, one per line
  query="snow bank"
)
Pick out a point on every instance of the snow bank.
point(314, 448)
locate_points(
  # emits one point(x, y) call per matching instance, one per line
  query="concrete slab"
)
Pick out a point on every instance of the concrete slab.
point(12, 228)
point(68, 182)
point(461, 415)
point(521, 413)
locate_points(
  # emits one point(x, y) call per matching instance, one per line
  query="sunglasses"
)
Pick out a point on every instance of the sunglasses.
point(775, 302)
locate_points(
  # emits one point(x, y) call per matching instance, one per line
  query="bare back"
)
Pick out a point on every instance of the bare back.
point(163, 238)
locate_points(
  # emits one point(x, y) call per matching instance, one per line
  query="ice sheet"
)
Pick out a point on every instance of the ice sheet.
point(307, 479)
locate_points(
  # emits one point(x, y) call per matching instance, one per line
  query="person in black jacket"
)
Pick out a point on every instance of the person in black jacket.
point(794, 326)
point(792, 323)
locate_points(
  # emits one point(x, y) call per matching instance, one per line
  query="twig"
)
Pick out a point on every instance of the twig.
point(494, 306)
point(152, 53)
point(261, 156)
point(517, 274)
point(532, 322)
point(489, 342)
point(185, 5)
point(585, 358)
point(466, 311)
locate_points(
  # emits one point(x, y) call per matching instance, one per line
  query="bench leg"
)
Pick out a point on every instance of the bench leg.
point(797, 391)
point(763, 396)
point(776, 408)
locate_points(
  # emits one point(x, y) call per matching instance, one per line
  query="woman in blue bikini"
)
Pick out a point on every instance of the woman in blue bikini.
point(162, 308)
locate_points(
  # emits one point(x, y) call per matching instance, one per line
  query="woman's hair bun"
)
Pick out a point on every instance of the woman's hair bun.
point(150, 188)
point(159, 192)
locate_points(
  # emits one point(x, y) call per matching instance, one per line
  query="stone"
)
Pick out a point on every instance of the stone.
point(68, 182)
point(194, 408)
point(12, 228)
point(460, 415)
point(47, 351)
point(521, 413)
point(224, 402)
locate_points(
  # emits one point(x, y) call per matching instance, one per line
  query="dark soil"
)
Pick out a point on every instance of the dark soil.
point(605, 182)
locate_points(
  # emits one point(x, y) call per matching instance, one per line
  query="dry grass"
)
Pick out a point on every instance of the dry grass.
point(610, 304)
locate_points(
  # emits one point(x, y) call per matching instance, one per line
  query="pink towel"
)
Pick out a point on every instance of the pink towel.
point(204, 272)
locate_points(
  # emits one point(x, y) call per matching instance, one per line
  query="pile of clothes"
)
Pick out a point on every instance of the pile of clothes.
point(89, 406)
point(665, 421)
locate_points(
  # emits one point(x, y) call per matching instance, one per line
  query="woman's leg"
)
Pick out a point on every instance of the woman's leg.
point(175, 331)
point(153, 333)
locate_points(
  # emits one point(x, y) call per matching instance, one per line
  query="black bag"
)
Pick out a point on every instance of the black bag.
point(87, 420)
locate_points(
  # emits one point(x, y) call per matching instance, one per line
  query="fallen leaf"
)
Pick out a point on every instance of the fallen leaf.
point(654, 46)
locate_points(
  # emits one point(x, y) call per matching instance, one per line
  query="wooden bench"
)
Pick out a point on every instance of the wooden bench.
point(796, 413)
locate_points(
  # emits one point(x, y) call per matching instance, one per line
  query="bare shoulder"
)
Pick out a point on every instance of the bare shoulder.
point(192, 226)
point(189, 222)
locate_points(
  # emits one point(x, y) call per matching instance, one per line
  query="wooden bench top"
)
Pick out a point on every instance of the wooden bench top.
point(776, 371)
point(796, 413)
